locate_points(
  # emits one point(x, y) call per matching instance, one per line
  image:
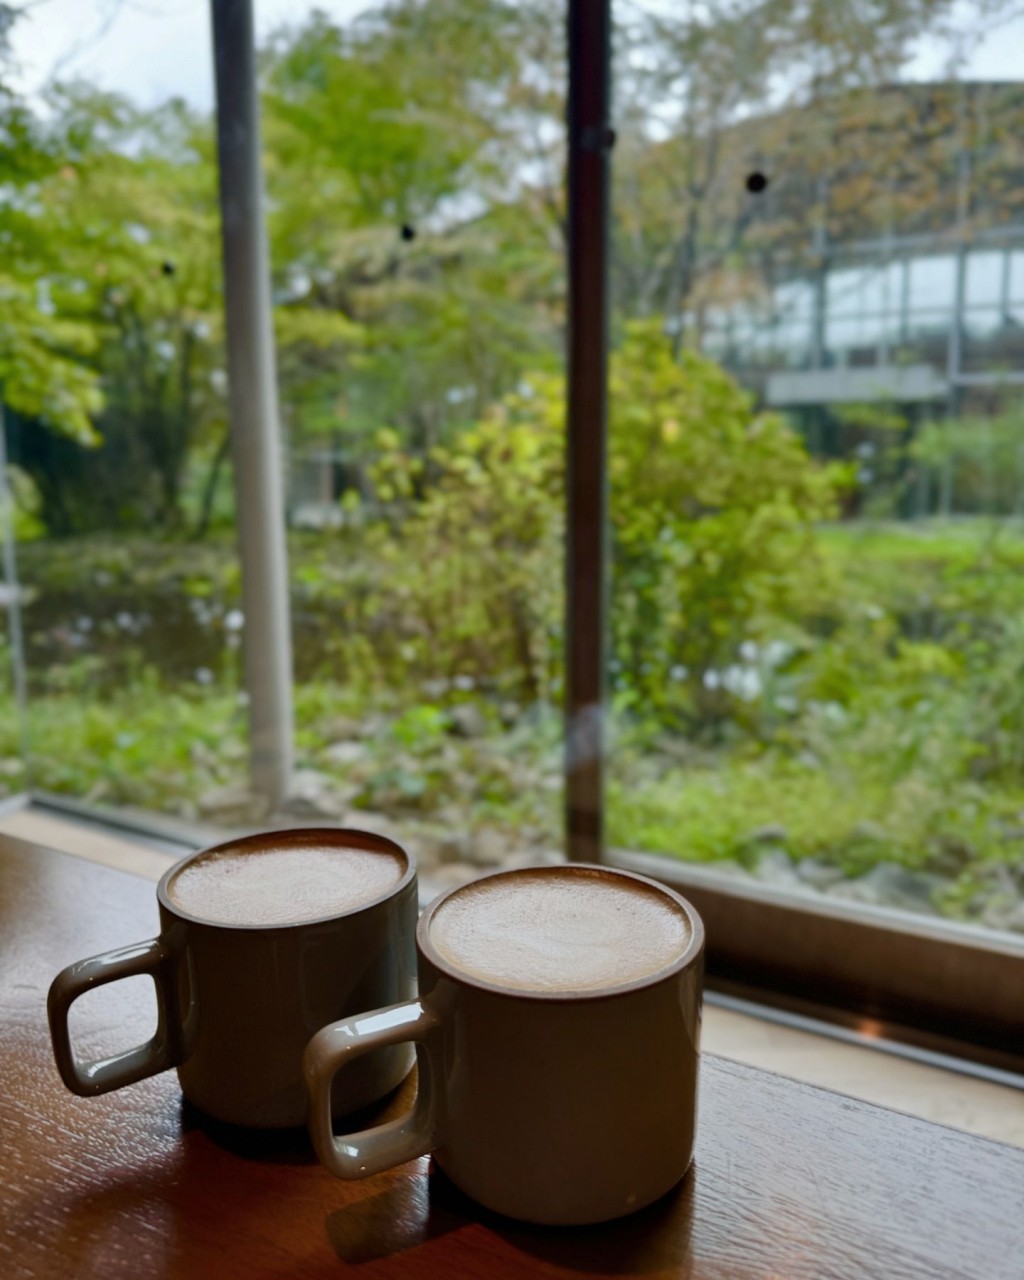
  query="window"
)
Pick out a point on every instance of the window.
point(814, 464)
point(796, 622)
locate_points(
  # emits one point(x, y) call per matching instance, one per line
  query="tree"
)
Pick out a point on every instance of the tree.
point(129, 253)
point(398, 209)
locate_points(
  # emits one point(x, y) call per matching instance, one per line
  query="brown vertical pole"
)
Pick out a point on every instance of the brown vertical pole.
point(590, 141)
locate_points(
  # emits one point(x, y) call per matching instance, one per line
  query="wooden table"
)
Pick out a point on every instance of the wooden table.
point(789, 1181)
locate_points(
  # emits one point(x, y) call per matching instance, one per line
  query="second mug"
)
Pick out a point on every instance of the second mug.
point(557, 1031)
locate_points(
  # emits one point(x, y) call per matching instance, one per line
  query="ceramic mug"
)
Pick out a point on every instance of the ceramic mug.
point(552, 1107)
point(237, 1003)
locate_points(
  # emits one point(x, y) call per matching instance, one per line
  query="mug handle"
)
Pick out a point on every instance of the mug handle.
point(88, 1079)
point(359, 1155)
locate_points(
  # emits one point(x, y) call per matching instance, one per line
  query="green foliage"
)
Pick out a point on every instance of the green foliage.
point(24, 514)
point(977, 462)
point(470, 569)
point(713, 508)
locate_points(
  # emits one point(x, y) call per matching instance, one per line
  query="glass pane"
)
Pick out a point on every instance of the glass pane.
point(114, 389)
point(984, 285)
point(813, 644)
point(932, 283)
point(415, 181)
point(844, 293)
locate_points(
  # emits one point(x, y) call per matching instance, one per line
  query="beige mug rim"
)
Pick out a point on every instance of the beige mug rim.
point(691, 952)
point(349, 837)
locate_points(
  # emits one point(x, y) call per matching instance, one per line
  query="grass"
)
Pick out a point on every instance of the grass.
point(896, 732)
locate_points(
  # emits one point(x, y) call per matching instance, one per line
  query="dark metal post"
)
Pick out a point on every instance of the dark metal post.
point(255, 434)
point(590, 141)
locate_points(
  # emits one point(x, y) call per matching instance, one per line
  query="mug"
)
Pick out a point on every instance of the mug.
point(554, 1108)
point(237, 1003)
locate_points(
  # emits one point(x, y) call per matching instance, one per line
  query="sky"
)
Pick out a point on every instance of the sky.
point(156, 49)
point(150, 50)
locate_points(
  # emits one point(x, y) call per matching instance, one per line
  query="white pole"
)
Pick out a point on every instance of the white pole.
point(255, 432)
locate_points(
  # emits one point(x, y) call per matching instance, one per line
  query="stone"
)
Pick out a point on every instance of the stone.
point(370, 820)
point(870, 832)
point(819, 875)
point(1015, 919)
point(888, 884)
point(951, 855)
point(728, 867)
point(342, 728)
point(451, 876)
point(1002, 878)
point(487, 847)
point(343, 753)
point(770, 833)
point(436, 849)
point(468, 721)
point(523, 859)
point(775, 867)
point(313, 794)
point(232, 805)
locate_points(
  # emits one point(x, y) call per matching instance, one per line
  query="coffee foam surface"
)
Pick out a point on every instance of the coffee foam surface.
point(559, 931)
point(283, 886)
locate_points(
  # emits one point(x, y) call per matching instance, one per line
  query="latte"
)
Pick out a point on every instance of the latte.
point(559, 930)
point(287, 884)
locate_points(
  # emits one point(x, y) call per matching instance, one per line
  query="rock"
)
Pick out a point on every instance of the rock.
point(1003, 879)
point(433, 849)
point(435, 689)
point(951, 855)
point(729, 867)
point(676, 748)
point(342, 728)
point(370, 820)
point(888, 884)
point(313, 794)
point(468, 721)
point(532, 858)
point(770, 833)
point(1015, 919)
point(868, 832)
point(232, 805)
point(819, 875)
point(344, 753)
point(775, 867)
point(451, 876)
point(487, 848)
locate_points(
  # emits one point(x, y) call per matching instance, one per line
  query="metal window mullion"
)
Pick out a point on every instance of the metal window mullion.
point(590, 140)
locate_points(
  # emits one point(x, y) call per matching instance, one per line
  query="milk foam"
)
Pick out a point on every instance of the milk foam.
point(283, 886)
point(558, 930)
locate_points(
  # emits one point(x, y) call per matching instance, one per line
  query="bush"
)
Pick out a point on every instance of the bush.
point(713, 509)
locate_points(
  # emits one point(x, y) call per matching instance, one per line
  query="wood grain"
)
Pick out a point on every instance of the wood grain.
point(789, 1181)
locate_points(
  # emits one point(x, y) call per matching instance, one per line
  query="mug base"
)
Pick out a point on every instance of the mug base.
point(520, 1210)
